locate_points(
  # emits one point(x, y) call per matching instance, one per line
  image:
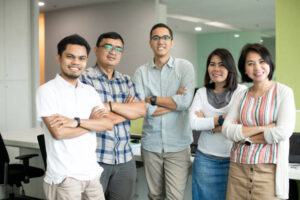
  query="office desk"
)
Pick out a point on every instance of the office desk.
point(28, 139)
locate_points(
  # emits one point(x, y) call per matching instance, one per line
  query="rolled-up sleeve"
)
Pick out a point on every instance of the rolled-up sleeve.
point(197, 123)
point(230, 129)
point(184, 100)
point(285, 120)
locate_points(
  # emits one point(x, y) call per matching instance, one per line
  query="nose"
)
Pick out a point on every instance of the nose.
point(75, 60)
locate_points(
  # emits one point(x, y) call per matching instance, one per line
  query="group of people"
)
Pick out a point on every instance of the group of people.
point(242, 150)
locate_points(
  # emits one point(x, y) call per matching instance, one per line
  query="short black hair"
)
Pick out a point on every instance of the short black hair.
point(112, 35)
point(161, 25)
point(263, 52)
point(72, 39)
point(229, 64)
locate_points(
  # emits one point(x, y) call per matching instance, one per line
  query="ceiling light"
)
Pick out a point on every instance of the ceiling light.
point(41, 3)
point(198, 28)
point(236, 35)
point(261, 40)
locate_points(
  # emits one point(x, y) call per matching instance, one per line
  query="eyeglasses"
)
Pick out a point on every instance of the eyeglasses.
point(157, 38)
point(109, 47)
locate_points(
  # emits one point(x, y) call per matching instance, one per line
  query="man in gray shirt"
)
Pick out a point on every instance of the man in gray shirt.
point(167, 85)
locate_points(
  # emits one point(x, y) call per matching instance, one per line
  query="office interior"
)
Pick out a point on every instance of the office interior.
point(29, 34)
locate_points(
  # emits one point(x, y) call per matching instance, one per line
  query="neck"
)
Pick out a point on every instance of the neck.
point(109, 71)
point(161, 61)
point(262, 86)
point(219, 87)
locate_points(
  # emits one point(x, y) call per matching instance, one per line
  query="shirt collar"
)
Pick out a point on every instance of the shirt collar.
point(65, 83)
point(99, 71)
point(170, 63)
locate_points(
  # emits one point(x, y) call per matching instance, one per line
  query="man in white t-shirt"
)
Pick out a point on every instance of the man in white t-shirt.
point(71, 112)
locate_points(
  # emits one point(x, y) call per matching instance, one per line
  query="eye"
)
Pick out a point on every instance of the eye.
point(119, 49)
point(262, 61)
point(212, 64)
point(155, 38)
point(108, 47)
point(83, 58)
point(166, 37)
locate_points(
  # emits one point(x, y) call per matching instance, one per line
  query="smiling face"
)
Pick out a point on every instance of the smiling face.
point(108, 59)
point(217, 71)
point(256, 67)
point(72, 61)
point(161, 47)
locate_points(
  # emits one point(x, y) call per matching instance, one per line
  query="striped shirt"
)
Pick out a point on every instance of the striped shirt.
point(257, 112)
point(112, 146)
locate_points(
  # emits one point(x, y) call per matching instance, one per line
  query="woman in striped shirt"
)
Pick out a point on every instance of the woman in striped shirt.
point(260, 124)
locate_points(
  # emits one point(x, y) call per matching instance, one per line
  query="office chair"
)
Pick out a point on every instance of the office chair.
point(41, 141)
point(14, 174)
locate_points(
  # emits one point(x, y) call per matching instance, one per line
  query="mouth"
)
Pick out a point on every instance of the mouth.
point(74, 68)
point(258, 74)
point(110, 58)
point(216, 75)
point(160, 48)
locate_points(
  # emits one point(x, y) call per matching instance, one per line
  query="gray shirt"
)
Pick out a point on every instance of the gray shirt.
point(170, 132)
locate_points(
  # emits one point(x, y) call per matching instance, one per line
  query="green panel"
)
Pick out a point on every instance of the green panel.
point(136, 126)
point(297, 128)
point(287, 45)
point(208, 42)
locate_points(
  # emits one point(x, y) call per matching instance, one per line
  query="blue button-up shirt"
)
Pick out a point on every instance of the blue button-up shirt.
point(170, 132)
point(112, 146)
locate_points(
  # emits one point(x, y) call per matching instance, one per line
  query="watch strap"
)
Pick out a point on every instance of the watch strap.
point(78, 121)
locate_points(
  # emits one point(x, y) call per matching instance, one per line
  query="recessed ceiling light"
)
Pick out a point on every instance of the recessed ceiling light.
point(41, 3)
point(236, 35)
point(261, 40)
point(198, 28)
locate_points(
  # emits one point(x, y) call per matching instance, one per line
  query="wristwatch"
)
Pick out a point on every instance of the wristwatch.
point(221, 120)
point(247, 141)
point(78, 121)
point(153, 100)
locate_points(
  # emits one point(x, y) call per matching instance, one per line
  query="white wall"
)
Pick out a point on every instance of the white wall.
point(17, 63)
point(185, 46)
point(132, 19)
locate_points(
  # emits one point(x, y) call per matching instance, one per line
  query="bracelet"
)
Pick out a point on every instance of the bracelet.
point(110, 107)
point(247, 141)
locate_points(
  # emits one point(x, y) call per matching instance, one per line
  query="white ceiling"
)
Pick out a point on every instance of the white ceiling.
point(238, 15)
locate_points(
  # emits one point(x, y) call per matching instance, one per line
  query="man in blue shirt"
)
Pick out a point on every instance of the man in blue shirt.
point(124, 103)
point(167, 85)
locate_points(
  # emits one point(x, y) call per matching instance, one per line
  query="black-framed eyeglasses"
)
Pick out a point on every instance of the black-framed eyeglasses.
point(109, 47)
point(157, 38)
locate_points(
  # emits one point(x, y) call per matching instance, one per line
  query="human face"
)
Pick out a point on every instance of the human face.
point(161, 47)
point(108, 58)
point(217, 71)
point(72, 61)
point(256, 67)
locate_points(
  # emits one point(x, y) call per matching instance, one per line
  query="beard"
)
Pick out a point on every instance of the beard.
point(70, 76)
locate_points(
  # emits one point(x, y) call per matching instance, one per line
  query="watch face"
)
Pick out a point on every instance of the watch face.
point(153, 100)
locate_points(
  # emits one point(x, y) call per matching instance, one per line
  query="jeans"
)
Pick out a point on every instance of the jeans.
point(209, 179)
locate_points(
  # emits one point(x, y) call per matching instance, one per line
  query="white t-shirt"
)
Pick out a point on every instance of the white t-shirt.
point(215, 144)
point(75, 157)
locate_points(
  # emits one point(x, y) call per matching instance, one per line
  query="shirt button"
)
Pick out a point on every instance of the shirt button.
point(251, 169)
point(249, 191)
point(250, 180)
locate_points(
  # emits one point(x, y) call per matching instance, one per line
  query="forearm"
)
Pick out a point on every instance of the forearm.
point(100, 124)
point(166, 102)
point(217, 129)
point(161, 111)
point(117, 119)
point(129, 111)
point(248, 131)
point(258, 139)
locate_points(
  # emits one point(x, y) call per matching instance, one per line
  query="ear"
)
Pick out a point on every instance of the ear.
point(58, 58)
point(95, 51)
point(172, 43)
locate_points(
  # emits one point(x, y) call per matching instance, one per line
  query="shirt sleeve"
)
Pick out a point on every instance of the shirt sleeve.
point(199, 124)
point(230, 129)
point(285, 119)
point(133, 89)
point(183, 101)
point(46, 103)
point(138, 80)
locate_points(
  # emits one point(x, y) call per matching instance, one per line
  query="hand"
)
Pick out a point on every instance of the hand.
point(130, 99)
point(235, 121)
point(180, 90)
point(148, 99)
point(270, 125)
point(98, 113)
point(199, 114)
point(60, 121)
